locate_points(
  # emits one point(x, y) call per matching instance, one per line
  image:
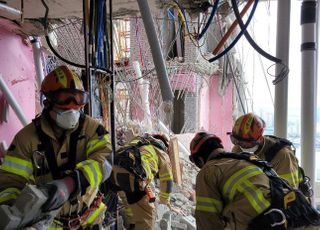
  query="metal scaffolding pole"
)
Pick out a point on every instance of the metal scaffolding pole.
point(308, 86)
point(166, 91)
point(281, 89)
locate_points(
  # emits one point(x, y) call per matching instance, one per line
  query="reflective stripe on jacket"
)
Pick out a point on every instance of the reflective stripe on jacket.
point(155, 161)
point(230, 189)
point(285, 163)
point(93, 146)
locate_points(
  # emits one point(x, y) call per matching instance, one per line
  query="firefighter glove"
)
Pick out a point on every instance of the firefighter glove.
point(58, 192)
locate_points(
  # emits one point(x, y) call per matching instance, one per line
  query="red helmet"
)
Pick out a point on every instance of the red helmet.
point(201, 138)
point(248, 127)
point(63, 87)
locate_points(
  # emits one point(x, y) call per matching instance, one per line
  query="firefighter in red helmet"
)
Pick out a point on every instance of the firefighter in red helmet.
point(220, 198)
point(243, 192)
point(247, 136)
point(62, 151)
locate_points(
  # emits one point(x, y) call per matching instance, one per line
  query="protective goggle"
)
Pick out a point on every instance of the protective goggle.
point(63, 97)
point(244, 143)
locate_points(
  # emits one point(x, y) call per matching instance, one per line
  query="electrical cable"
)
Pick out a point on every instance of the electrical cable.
point(213, 12)
point(234, 42)
point(234, 78)
point(231, 28)
point(52, 48)
point(248, 37)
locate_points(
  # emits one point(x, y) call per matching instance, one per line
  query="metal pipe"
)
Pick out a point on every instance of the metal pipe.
point(282, 52)
point(13, 102)
point(10, 10)
point(37, 60)
point(308, 87)
point(166, 91)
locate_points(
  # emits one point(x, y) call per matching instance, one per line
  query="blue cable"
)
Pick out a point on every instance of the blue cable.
point(184, 14)
point(213, 12)
point(170, 14)
point(238, 36)
point(249, 38)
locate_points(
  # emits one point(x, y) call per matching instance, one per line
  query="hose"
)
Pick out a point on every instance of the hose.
point(249, 38)
point(213, 12)
point(234, 42)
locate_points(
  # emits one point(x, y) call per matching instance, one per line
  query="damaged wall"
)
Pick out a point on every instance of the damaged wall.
point(17, 70)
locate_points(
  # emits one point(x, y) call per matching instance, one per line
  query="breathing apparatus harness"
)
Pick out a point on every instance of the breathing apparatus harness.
point(289, 207)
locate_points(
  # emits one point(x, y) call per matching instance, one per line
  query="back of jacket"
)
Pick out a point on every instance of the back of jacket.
point(230, 191)
point(284, 162)
point(156, 161)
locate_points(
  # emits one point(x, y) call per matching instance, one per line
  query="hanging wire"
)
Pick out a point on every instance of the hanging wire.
point(213, 12)
point(46, 27)
point(234, 42)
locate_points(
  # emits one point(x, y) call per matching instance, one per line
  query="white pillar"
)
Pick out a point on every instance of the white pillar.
point(282, 52)
point(308, 86)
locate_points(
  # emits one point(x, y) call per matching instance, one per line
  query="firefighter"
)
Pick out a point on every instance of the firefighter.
point(228, 192)
point(136, 165)
point(64, 152)
point(247, 136)
point(239, 191)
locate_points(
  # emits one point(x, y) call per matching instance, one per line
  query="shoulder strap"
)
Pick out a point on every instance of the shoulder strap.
point(280, 143)
point(48, 148)
point(74, 137)
point(49, 152)
point(266, 166)
point(147, 140)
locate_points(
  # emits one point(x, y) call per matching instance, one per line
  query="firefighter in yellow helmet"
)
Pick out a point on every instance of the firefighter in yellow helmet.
point(64, 152)
point(229, 192)
point(247, 136)
point(136, 165)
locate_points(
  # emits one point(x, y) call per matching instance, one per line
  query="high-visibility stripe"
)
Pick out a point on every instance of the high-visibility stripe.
point(9, 194)
point(94, 215)
point(150, 160)
point(292, 178)
point(239, 177)
point(254, 196)
point(207, 204)
point(95, 144)
point(166, 176)
point(164, 195)
point(128, 212)
point(18, 166)
point(92, 171)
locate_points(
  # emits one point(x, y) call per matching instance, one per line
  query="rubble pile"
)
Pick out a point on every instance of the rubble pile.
point(181, 214)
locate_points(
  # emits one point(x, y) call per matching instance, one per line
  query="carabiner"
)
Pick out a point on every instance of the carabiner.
point(283, 216)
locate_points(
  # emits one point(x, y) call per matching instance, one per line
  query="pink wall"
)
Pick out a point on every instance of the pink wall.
point(216, 110)
point(17, 69)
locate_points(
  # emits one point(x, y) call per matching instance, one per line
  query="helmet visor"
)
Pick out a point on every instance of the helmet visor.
point(67, 97)
point(245, 143)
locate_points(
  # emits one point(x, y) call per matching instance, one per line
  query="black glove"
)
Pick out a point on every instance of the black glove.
point(58, 192)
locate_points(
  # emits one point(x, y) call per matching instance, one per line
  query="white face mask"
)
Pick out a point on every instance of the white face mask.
point(68, 119)
point(250, 150)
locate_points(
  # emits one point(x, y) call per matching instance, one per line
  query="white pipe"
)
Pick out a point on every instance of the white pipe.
point(282, 52)
point(37, 60)
point(12, 101)
point(144, 93)
point(308, 87)
point(10, 9)
point(183, 149)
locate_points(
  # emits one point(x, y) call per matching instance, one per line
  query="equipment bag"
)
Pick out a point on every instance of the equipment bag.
point(289, 207)
point(304, 185)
